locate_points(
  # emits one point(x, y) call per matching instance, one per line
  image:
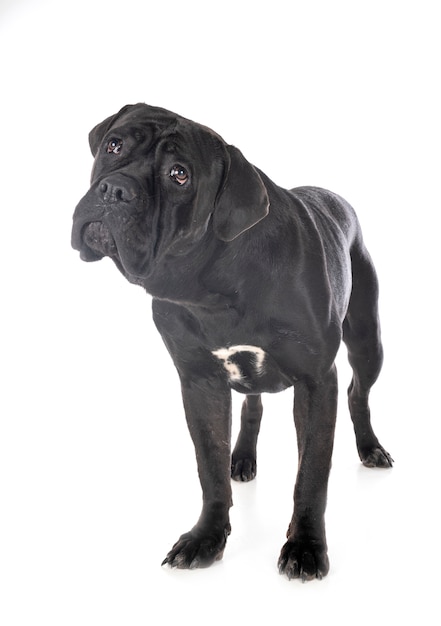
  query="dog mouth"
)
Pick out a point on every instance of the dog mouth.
point(98, 242)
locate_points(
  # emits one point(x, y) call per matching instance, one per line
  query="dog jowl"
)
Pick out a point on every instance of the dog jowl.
point(254, 287)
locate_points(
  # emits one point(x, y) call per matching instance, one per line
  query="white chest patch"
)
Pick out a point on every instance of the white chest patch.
point(233, 369)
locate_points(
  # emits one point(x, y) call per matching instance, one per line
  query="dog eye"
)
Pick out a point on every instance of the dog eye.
point(179, 174)
point(114, 146)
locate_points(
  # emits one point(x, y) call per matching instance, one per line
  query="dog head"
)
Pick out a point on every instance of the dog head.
point(160, 184)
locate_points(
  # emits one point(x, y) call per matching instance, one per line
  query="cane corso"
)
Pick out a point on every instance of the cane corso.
point(253, 287)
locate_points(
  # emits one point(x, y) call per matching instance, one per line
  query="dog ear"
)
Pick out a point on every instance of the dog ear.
point(96, 135)
point(242, 202)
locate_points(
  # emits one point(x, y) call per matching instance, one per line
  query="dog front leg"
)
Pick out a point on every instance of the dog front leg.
point(304, 555)
point(208, 412)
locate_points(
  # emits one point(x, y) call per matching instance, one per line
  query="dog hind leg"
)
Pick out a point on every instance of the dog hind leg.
point(361, 334)
point(243, 460)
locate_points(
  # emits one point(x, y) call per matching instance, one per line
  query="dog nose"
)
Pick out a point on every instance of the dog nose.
point(117, 189)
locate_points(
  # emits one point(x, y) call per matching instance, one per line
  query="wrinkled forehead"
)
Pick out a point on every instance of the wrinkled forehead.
point(143, 120)
point(149, 124)
point(146, 114)
point(150, 120)
point(157, 120)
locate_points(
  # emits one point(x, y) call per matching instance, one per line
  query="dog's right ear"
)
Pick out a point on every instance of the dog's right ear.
point(96, 135)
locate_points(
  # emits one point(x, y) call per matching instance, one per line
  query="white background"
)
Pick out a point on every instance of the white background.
point(98, 475)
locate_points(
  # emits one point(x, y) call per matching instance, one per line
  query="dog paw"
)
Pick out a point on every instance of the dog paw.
point(305, 560)
point(243, 469)
point(376, 457)
point(195, 549)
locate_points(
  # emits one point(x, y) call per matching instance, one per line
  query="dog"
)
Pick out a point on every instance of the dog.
point(253, 289)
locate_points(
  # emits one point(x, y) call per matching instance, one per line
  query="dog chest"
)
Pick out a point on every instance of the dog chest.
point(250, 369)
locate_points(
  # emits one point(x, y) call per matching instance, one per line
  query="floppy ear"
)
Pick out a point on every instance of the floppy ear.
point(96, 134)
point(243, 201)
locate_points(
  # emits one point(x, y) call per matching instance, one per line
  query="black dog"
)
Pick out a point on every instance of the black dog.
point(253, 289)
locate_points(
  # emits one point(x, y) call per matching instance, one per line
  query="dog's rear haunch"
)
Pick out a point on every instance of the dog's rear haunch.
point(253, 287)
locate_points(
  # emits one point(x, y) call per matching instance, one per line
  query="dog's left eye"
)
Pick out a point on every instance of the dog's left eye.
point(179, 174)
point(114, 146)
